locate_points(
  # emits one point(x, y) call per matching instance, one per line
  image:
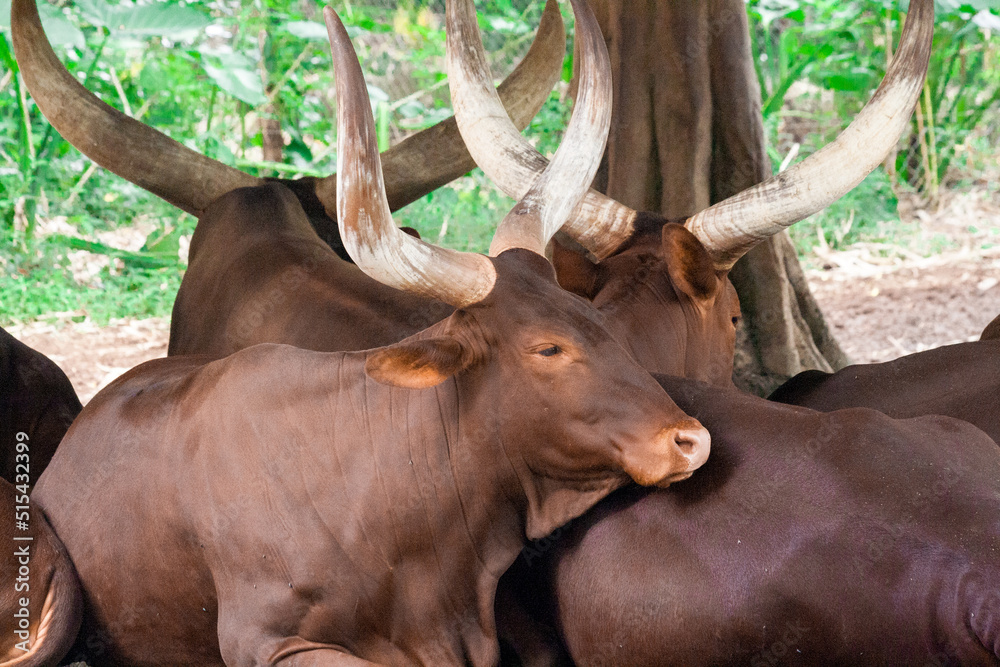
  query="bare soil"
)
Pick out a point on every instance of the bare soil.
point(942, 286)
point(882, 301)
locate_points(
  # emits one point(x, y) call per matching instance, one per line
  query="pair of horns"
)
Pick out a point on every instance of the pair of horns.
point(191, 181)
point(732, 227)
point(461, 279)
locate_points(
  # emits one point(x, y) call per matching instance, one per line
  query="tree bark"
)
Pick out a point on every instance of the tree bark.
point(687, 131)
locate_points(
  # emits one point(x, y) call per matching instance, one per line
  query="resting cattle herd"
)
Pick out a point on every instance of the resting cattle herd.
point(846, 538)
point(284, 506)
point(36, 399)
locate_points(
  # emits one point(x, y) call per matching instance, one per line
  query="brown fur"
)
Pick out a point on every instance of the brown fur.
point(280, 507)
point(258, 273)
point(663, 300)
point(955, 380)
point(992, 331)
point(846, 538)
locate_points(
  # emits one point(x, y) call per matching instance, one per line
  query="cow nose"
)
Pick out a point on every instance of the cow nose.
point(671, 456)
point(691, 444)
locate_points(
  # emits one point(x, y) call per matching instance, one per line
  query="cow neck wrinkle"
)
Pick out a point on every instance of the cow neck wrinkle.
point(447, 465)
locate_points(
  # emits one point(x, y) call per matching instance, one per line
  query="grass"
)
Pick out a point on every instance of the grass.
point(37, 281)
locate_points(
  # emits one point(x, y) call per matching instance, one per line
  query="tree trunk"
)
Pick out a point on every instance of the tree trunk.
point(687, 132)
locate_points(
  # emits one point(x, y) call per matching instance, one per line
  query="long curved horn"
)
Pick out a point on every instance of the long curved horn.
point(136, 152)
point(378, 247)
point(599, 224)
point(436, 156)
point(732, 227)
point(563, 184)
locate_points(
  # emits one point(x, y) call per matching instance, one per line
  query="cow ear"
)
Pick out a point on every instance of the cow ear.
point(689, 265)
point(411, 231)
point(417, 364)
point(575, 273)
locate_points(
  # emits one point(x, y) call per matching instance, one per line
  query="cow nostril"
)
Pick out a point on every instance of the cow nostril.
point(693, 443)
point(685, 442)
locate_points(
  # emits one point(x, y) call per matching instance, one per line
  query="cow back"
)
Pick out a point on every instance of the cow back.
point(959, 381)
point(808, 538)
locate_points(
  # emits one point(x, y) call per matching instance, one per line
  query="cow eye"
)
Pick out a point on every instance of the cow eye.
point(550, 351)
point(736, 321)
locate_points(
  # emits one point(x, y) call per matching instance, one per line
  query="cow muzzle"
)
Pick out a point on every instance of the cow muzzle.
point(672, 456)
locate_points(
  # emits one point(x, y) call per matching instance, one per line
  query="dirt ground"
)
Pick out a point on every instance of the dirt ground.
point(882, 302)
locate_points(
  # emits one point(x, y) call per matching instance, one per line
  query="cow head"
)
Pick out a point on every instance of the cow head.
point(616, 235)
point(664, 300)
point(536, 367)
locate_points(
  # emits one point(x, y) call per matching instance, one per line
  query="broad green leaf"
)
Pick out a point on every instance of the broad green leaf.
point(57, 28)
point(412, 109)
point(306, 30)
point(157, 19)
point(851, 82)
point(243, 84)
point(98, 12)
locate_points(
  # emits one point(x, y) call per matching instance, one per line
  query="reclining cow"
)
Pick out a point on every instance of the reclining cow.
point(846, 538)
point(40, 604)
point(684, 531)
point(285, 506)
point(955, 380)
point(959, 381)
point(37, 400)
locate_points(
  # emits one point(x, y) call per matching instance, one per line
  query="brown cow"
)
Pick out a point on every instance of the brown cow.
point(959, 381)
point(669, 294)
point(296, 507)
point(36, 399)
point(846, 538)
point(666, 555)
point(40, 605)
point(259, 273)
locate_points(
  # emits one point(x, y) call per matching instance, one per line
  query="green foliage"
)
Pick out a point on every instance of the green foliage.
point(839, 50)
point(867, 213)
